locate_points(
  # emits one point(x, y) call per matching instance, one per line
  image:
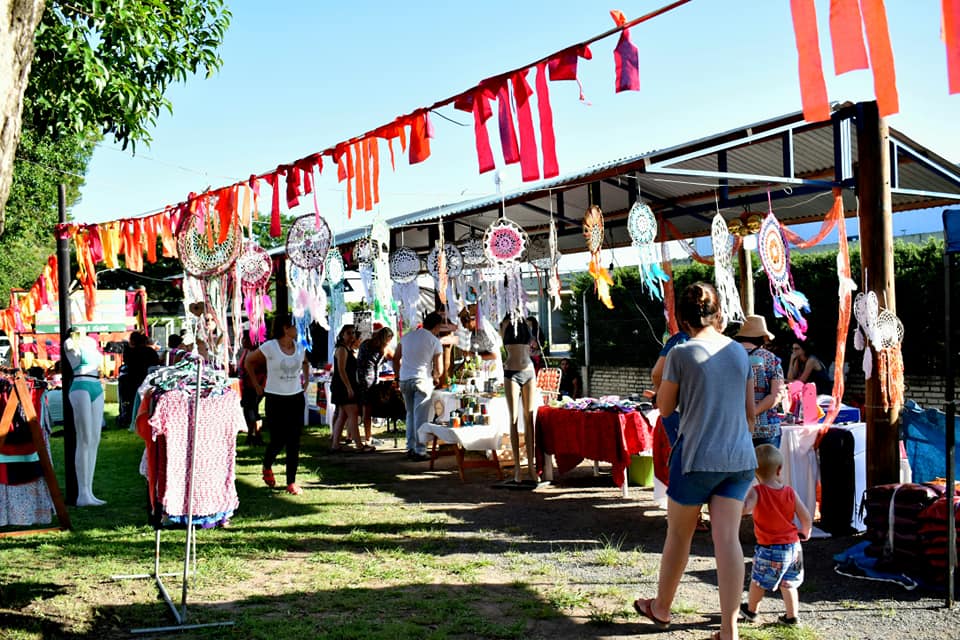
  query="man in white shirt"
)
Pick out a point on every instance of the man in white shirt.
point(418, 363)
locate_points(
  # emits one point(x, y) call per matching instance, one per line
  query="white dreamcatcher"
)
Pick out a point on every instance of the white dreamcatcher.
point(404, 269)
point(308, 243)
point(504, 243)
point(384, 306)
point(883, 331)
point(542, 254)
point(723, 271)
point(642, 226)
point(335, 271)
point(364, 251)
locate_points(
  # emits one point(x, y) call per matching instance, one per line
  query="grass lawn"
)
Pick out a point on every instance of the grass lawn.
point(344, 560)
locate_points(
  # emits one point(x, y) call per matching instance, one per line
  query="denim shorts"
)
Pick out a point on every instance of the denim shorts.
point(696, 487)
point(777, 564)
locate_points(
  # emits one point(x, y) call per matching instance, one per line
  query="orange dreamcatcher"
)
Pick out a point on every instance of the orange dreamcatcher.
point(593, 234)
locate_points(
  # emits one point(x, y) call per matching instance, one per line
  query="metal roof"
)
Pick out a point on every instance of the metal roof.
point(795, 162)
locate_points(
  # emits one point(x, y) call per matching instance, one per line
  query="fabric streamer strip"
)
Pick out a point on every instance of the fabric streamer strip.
point(951, 40)
point(723, 271)
point(813, 88)
point(775, 257)
point(833, 217)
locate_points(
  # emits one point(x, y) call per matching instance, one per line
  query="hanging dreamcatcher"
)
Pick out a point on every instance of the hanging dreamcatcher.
point(336, 272)
point(504, 243)
point(775, 257)
point(472, 253)
point(308, 242)
point(593, 235)
point(642, 226)
point(382, 303)
point(542, 254)
point(723, 271)
point(254, 267)
point(404, 269)
point(883, 331)
point(364, 251)
point(210, 262)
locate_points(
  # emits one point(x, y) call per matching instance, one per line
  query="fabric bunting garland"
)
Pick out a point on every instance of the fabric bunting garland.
point(723, 271)
point(642, 226)
point(775, 257)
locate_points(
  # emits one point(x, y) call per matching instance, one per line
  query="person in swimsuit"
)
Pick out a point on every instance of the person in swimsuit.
point(520, 387)
point(86, 400)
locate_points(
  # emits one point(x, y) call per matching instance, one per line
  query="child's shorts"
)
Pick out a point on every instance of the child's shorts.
point(777, 564)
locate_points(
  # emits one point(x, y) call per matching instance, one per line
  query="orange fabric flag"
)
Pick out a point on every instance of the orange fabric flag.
point(360, 174)
point(375, 156)
point(813, 89)
point(110, 241)
point(150, 237)
point(829, 222)
point(881, 56)
point(846, 34)
point(951, 37)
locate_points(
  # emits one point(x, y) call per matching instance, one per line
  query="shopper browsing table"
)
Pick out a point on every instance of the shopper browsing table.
point(418, 363)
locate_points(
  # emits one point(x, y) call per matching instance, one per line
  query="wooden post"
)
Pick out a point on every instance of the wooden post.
point(745, 263)
point(876, 259)
point(66, 372)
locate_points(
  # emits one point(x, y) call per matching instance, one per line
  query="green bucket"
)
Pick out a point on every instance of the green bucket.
point(640, 471)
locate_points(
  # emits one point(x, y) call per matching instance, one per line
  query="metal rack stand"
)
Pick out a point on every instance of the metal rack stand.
point(190, 553)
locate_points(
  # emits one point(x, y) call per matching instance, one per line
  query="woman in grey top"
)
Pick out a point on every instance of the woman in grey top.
point(709, 380)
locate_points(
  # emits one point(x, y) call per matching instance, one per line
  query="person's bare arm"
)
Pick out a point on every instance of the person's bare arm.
point(750, 407)
point(806, 521)
point(667, 397)
point(771, 399)
point(254, 361)
point(306, 372)
point(396, 363)
point(437, 367)
point(657, 372)
point(750, 501)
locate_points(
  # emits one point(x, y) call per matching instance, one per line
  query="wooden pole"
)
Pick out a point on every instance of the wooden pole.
point(876, 259)
point(745, 263)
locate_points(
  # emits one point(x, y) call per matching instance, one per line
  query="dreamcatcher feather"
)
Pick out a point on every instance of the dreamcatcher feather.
point(446, 268)
point(404, 269)
point(254, 267)
point(775, 257)
point(384, 306)
point(723, 271)
point(642, 226)
point(883, 331)
point(504, 244)
point(335, 272)
point(593, 234)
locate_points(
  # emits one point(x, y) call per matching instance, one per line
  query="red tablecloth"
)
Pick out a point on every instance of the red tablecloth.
point(571, 435)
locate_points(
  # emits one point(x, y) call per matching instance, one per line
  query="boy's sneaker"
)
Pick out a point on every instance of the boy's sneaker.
point(749, 616)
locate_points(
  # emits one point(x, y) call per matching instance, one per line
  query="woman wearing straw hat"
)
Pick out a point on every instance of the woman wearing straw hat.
point(767, 380)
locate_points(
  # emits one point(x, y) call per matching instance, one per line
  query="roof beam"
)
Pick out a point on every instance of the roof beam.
point(547, 213)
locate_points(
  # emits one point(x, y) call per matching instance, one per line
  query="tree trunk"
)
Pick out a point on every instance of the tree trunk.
point(18, 23)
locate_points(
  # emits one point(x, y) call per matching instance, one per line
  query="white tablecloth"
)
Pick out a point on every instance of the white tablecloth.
point(483, 437)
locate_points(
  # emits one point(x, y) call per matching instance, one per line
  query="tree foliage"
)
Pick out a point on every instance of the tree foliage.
point(105, 65)
point(630, 334)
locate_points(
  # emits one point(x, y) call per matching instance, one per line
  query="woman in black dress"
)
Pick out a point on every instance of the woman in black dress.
point(343, 390)
point(369, 360)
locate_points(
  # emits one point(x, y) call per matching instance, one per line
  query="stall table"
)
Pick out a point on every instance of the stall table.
point(481, 437)
point(572, 435)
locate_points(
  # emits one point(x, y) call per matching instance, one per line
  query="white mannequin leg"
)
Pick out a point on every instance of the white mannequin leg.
point(512, 391)
point(529, 401)
point(87, 418)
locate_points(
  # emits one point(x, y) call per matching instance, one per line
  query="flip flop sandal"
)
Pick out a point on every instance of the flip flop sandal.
point(294, 489)
point(645, 609)
point(268, 478)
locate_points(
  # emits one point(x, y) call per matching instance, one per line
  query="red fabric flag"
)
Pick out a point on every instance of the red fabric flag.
point(294, 188)
point(548, 141)
point(951, 37)
point(419, 143)
point(627, 58)
point(881, 56)
point(508, 132)
point(563, 66)
point(273, 179)
point(846, 34)
point(813, 89)
point(478, 102)
point(529, 166)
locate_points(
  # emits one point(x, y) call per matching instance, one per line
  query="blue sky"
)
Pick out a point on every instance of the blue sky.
point(301, 75)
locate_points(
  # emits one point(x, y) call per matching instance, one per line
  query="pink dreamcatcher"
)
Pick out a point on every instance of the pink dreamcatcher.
point(254, 267)
point(505, 243)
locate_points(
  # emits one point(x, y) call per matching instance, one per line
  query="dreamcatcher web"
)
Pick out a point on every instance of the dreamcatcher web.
point(775, 257)
point(335, 272)
point(202, 259)
point(504, 242)
point(404, 265)
point(723, 271)
point(883, 331)
point(539, 255)
point(454, 261)
point(308, 244)
point(593, 236)
point(254, 267)
point(642, 226)
point(472, 253)
point(335, 268)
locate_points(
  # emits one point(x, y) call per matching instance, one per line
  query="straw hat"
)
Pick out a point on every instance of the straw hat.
point(755, 327)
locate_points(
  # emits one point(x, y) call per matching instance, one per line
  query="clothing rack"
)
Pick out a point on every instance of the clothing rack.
point(190, 551)
point(21, 398)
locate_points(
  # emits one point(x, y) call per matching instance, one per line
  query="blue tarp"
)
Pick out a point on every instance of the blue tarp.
point(924, 433)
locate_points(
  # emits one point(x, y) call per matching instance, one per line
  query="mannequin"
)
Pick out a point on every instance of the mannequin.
point(86, 398)
point(520, 387)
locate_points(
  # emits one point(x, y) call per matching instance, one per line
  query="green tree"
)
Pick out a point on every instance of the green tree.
point(101, 67)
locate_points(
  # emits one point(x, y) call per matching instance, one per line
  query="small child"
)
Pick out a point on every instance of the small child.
point(777, 557)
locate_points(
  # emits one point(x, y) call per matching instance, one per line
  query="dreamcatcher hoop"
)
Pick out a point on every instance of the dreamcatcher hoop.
point(472, 253)
point(641, 224)
point(539, 253)
point(254, 266)
point(335, 269)
point(307, 245)
point(454, 261)
point(365, 251)
point(504, 242)
point(593, 229)
point(199, 259)
point(774, 253)
point(404, 265)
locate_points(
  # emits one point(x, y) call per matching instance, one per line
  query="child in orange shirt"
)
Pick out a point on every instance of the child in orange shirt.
point(777, 557)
